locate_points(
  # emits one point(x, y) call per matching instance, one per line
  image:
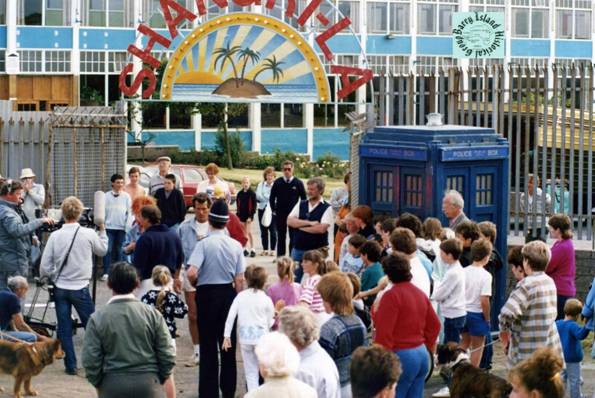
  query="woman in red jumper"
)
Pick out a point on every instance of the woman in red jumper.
point(407, 325)
point(562, 265)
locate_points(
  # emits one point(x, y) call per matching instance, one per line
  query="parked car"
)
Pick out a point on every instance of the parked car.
point(189, 175)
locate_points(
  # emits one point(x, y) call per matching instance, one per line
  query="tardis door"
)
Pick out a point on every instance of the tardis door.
point(382, 181)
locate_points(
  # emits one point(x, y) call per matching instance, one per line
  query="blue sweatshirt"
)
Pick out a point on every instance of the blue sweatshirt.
point(571, 335)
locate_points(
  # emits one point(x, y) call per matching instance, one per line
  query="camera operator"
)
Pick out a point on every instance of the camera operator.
point(68, 262)
point(15, 235)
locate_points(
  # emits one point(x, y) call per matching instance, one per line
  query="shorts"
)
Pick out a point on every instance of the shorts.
point(476, 325)
point(186, 285)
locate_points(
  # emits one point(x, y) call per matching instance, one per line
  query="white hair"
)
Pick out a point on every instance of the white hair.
point(299, 324)
point(277, 356)
point(455, 198)
point(17, 282)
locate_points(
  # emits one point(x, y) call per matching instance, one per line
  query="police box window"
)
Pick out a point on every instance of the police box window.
point(413, 191)
point(384, 186)
point(484, 189)
point(455, 182)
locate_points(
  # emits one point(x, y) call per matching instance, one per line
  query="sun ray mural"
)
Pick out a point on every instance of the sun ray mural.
point(245, 56)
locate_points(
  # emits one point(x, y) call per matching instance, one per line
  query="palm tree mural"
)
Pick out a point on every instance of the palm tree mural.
point(274, 66)
point(239, 86)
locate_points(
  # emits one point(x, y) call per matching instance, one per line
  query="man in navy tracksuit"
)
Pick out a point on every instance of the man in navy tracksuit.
point(285, 193)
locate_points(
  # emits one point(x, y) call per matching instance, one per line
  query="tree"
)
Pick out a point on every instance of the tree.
point(248, 55)
point(274, 66)
point(225, 54)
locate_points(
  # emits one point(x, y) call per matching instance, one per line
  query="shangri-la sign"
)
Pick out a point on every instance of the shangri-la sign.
point(242, 57)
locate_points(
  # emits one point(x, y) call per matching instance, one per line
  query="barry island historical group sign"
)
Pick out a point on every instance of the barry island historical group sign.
point(478, 35)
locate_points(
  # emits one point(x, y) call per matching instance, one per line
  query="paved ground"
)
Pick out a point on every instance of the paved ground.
point(54, 383)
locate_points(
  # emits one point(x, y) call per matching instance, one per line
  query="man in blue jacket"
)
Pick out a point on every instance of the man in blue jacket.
point(158, 245)
point(15, 235)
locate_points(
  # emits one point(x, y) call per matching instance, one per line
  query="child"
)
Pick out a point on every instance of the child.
point(285, 292)
point(314, 267)
point(538, 376)
point(467, 232)
point(515, 259)
point(478, 290)
point(370, 253)
point(246, 205)
point(255, 314)
point(358, 303)
point(170, 306)
point(386, 229)
point(450, 292)
point(432, 229)
point(352, 230)
point(571, 335)
point(352, 261)
point(170, 201)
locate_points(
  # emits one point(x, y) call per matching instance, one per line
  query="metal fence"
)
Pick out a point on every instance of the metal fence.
point(545, 113)
point(72, 150)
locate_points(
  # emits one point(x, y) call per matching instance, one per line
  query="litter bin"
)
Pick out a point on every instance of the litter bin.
point(408, 169)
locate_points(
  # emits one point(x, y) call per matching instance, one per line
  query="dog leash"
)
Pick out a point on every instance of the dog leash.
point(483, 346)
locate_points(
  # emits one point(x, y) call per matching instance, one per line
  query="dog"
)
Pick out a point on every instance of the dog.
point(23, 361)
point(467, 380)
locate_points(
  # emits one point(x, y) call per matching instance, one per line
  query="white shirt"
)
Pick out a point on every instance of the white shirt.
point(318, 370)
point(420, 276)
point(208, 188)
point(255, 313)
point(450, 292)
point(478, 282)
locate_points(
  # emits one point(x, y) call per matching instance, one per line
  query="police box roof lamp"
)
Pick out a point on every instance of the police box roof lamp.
point(359, 122)
point(434, 119)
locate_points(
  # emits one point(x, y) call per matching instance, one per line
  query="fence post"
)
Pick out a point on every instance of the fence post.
point(197, 126)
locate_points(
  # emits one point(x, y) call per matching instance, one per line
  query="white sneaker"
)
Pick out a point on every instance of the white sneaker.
point(194, 360)
point(104, 277)
point(444, 392)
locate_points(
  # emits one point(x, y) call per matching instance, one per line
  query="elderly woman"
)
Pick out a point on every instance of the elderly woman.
point(278, 361)
point(68, 261)
point(317, 368)
point(208, 186)
point(135, 230)
point(268, 235)
point(407, 325)
point(562, 265)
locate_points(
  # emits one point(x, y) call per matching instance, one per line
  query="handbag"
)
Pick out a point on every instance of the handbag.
point(267, 216)
point(52, 285)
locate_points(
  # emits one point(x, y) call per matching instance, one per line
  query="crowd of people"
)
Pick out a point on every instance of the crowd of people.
point(357, 308)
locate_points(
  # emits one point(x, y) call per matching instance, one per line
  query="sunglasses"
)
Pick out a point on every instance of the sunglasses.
point(286, 168)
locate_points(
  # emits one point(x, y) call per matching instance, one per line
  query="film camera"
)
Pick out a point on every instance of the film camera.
point(86, 219)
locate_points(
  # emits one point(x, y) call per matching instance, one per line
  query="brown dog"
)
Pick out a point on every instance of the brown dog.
point(24, 361)
point(467, 380)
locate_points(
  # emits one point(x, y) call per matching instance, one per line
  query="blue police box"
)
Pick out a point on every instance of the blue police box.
point(408, 169)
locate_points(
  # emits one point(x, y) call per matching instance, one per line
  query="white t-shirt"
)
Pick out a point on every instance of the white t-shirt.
point(208, 188)
point(478, 282)
point(255, 313)
point(420, 276)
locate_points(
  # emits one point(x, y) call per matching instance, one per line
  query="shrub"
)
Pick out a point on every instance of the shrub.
point(236, 145)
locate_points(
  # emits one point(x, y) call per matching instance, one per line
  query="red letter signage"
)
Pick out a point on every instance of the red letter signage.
point(172, 23)
point(347, 86)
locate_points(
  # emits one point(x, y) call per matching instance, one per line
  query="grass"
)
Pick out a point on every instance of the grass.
point(236, 175)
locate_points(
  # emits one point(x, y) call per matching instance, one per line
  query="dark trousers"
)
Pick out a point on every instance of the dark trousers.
point(561, 302)
point(282, 234)
point(125, 385)
point(114, 248)
point(213, 303)
point(83, 304)
point(267, 232)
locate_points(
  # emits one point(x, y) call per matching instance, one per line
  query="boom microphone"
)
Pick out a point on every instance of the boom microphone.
point(99, 208)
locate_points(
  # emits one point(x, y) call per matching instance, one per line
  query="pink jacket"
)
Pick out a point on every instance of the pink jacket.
point(562, 267)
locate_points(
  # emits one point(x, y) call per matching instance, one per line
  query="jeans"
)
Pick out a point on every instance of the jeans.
point(414, 364)
point(25, 336)
point(267, 232)
point(452, 329)
point(114, 248)
point(298, 272)
point(572, 378)
point(84, 306)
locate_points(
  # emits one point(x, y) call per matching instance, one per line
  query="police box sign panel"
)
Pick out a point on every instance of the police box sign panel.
point(478, 35)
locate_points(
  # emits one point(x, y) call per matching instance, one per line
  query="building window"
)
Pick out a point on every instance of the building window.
point(117, 61)
point(96, 15)
point(350, 9)
point(2, 61)
point(398, 18)
point(270, 115)
point(428, 64)
point(413, 191)
point(324, 115)
point(30, 60)
point(384, 187)
point(573, 19)
point(55, 14)
point(376, 17)
point(484, 189)
point(398, 64)
point(377, 63)
point(530, 18)
point(293, 115)
point(2, 12)
point(27, 106)
point(57, 61)
point(92, 62)
point(435, 18)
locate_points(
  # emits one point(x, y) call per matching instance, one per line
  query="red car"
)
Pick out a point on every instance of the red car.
point(190, 177)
